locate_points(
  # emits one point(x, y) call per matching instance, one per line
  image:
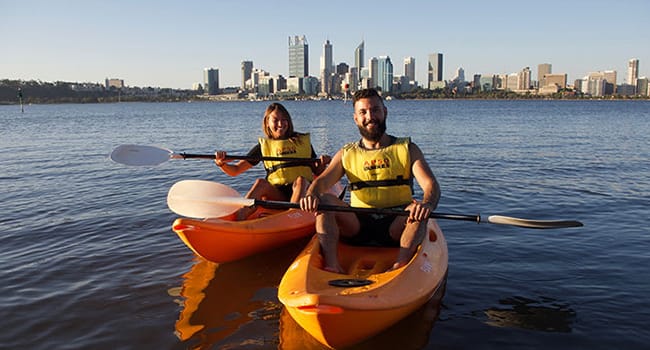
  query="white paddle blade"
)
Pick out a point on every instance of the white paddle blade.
point(140, 155)
point(204, 199)
point(540, 224)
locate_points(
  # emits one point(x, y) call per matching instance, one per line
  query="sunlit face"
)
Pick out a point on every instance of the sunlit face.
point(370, 117)
point(278, 124)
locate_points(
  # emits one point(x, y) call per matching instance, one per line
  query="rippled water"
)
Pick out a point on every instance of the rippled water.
point(89, 259)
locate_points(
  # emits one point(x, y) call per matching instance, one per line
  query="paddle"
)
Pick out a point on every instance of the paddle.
point(202, 199)
point(150, 155)
point(195, 198)
point(208, 199)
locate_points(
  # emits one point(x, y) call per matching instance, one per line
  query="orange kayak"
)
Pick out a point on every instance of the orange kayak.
point(224, 239)
point(344, 309)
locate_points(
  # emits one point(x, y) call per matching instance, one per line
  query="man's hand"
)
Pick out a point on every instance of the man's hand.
point(419, 211)
point(309, 203)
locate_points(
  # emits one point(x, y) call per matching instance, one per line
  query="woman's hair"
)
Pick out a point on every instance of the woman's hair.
point(280, 108)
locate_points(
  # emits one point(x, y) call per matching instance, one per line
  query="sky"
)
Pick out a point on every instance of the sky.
point(169, 43)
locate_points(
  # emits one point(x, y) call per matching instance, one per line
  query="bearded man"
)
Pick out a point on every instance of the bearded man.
point(380, 169)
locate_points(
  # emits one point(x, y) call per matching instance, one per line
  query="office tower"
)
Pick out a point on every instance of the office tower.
point(435, 71)
point(246, 70)
point(610, 84)
point(512, 81)
point(384, 80)
point(542, 70)
point(372, 72)
point(632, 71)
point(353, 79)
point(298, 56)
point(359, 62)
point(310, 85)
point(326, 68)
point(460, 75)
point(523, 79)
point(409, 68)
point(559, 80)
point(642, 87)
point(294, 85)
point(342, 68)
point(594, 84)
point(211, 81)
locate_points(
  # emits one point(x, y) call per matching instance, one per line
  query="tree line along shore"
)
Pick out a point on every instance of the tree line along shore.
point(36, 92)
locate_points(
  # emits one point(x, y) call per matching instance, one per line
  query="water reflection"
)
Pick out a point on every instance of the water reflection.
point(546, 315)
point(233, 303)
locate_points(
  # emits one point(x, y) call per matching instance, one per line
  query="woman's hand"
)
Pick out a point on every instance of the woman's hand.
point(325, 159)
point(220, 158)
point(322, 163)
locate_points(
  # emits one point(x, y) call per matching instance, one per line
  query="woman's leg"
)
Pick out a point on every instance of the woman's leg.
point(261, 189)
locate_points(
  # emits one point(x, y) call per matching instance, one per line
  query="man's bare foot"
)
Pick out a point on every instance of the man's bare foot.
point(397, 265)
point(245, 212)
point(336, 269)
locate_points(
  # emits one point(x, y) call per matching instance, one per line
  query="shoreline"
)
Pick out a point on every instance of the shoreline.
point(225, 100)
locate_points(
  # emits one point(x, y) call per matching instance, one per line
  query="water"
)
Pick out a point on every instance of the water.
point(89, 259)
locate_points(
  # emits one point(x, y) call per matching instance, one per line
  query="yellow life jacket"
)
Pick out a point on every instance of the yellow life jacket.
point(379, 178)
point(286, 172)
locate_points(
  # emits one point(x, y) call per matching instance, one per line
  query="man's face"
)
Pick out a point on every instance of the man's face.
point(370, 117)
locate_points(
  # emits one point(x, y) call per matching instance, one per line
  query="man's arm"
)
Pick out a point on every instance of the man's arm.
point(333, 173)
point(427, 181)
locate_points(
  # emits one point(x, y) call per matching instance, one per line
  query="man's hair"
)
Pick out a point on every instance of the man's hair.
point(366, 93)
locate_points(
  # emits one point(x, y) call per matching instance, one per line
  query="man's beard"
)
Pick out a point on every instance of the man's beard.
point(376, 133)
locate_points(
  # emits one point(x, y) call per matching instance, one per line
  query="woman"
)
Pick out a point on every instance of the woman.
point(284, 180)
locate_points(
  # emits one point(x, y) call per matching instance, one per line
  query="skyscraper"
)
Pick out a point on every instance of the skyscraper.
point(542, 70)
point(460, 75)
point(211, 81)
point(632, 71)
point(523, 79)
point(359, 58)
point(409, 68)
point(326, 68)
point(298, 56)
point(384, 80)
point(610, 82)
point(246, 70)
point(373, 74)
point(435, 71)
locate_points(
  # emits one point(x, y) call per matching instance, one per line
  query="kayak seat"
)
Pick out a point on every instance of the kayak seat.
point(361, 262)
point(369, 265)
point(366, 267)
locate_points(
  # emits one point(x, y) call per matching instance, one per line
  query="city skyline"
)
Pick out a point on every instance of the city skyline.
point(166, 44)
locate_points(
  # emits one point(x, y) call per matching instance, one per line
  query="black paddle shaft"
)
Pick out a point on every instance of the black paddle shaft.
point(251, 158)
point(380, 211)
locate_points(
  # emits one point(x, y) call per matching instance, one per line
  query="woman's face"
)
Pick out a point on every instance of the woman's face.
point(278, 124)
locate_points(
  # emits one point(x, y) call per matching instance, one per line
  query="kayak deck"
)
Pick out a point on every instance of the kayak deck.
point(343, 309)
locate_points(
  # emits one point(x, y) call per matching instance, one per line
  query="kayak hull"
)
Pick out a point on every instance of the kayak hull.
point(342, 316)
point(224, 239)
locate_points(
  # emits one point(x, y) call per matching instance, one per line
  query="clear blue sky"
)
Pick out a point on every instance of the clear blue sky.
point(169, 43)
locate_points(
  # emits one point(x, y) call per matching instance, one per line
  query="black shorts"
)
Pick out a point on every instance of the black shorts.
point(374, 231)
point(286, 190)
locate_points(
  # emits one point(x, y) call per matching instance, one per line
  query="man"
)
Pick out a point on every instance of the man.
point(380, 169)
